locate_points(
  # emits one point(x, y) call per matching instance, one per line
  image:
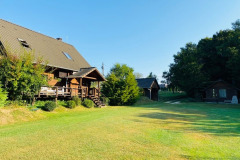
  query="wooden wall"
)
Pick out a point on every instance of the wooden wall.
point(154, 93)
point(51, 80)
point(230, 92)
point(55, 75)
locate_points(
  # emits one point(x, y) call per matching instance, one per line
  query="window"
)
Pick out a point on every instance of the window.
point(222, 93)
point(214, 93)
point(67, 55)
point(62, 74)
point(24, 43)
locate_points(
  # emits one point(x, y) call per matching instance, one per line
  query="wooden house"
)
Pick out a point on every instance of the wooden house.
point(150, 87)
point(220, 91)
point(69, 74)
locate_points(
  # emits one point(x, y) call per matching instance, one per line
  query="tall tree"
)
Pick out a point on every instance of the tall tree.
point(213, 58)
point(151, 75)
point(121, 86)
point(185, 72)
point(236, 25)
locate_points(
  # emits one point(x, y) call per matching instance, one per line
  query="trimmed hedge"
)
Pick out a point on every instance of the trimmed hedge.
point(49, 106)
point(71, 104)
point(88, 103)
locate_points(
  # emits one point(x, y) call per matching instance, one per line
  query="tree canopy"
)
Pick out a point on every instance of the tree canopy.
point(211, 59)
point(22, 76)
point(151, 75)
point(138, 75)
point(121, 86)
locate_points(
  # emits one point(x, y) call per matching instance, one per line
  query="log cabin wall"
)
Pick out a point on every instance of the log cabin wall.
point(56, 77)
point(51, 79)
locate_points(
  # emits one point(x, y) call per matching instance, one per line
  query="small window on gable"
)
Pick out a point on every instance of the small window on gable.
point(24, 43)
point(67, 55)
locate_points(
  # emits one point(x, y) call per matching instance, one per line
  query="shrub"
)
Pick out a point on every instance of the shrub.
point(88, 103)
point(16, 103)
point(3, 97)
point(49, 106)
point(105, 100)
point(71, 104)
point(39, 104)
point(77, 100)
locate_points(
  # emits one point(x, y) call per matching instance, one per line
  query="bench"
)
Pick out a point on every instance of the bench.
point(227, 101)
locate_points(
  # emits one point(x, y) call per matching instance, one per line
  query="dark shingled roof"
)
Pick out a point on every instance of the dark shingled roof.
point(146, 82)
point(85, 72)
point(213, 83)
point(49, 48)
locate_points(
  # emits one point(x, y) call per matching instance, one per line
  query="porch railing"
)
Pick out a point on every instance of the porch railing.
point(68, 92)
point(94, 91)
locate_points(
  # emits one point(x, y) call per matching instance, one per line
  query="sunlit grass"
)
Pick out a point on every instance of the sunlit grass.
point(150, 131)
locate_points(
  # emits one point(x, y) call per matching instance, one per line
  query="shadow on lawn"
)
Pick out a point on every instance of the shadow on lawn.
point(221, 120)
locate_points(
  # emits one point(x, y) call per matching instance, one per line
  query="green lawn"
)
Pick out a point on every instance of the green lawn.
point(169, 95)
point(154, 131)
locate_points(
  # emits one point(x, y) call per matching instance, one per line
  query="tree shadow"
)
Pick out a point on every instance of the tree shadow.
point(206, 157)
point(220, 120)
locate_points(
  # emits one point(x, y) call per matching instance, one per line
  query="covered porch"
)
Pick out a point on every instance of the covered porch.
point(84, 84)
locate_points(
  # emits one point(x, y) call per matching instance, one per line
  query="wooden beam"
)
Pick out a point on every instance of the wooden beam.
point(90, 78)
point(56, 92)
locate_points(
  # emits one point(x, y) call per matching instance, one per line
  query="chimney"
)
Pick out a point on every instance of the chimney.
point(59, 39)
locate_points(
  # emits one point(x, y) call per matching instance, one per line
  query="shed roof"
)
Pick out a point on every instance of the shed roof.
point(214, 83)
point(146, 82)
point(44, 46)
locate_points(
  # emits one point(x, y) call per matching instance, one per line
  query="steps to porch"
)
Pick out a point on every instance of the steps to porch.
point(97, 101)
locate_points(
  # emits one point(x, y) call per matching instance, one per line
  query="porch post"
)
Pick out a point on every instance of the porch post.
point(80, 83)
point(98, 89)
point(81, 88)
point(66, 82)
